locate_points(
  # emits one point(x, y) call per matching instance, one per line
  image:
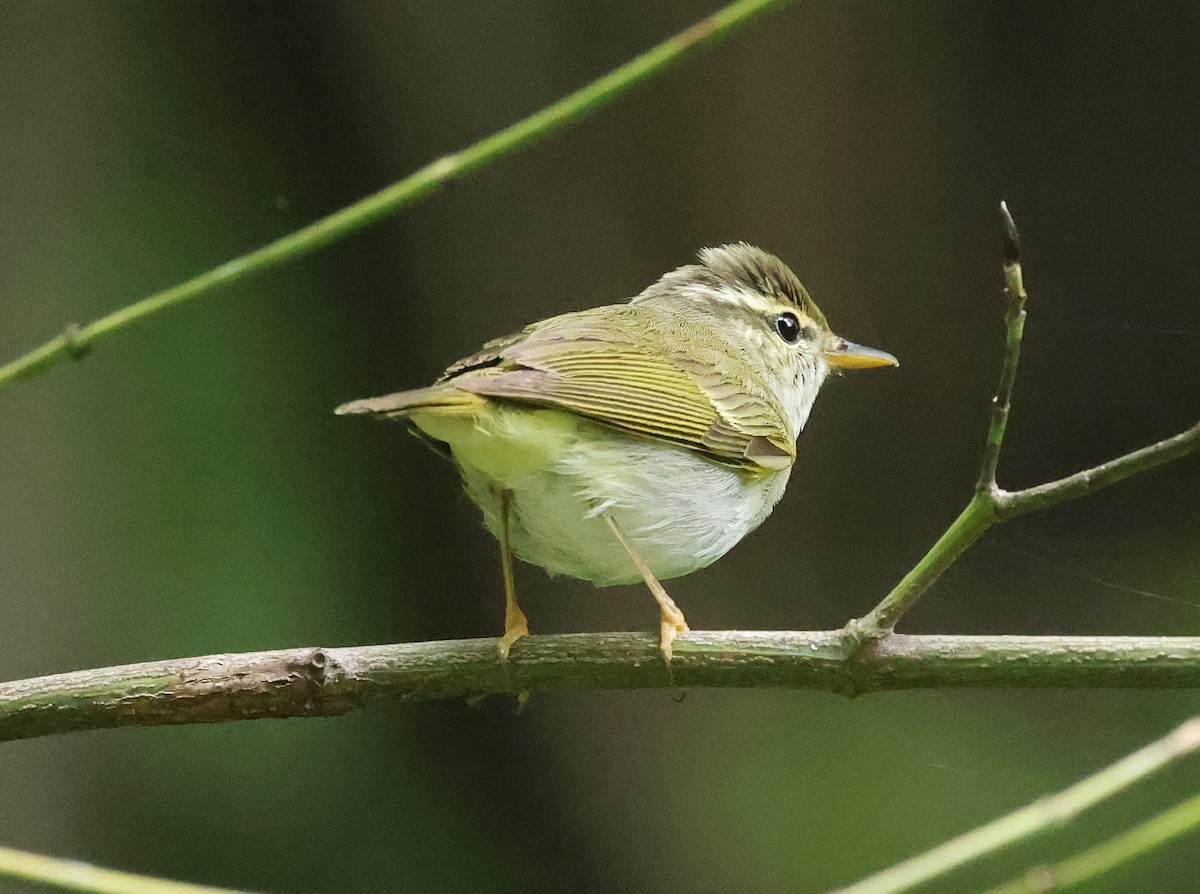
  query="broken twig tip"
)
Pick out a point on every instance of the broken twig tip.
point(1012, 239)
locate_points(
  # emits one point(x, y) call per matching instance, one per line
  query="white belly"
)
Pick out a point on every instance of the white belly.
point(680, 511)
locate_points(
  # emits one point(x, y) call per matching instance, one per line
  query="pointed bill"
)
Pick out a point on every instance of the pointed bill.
point(847, 355)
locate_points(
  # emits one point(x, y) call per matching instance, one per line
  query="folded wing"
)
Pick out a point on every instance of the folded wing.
point(617, 366)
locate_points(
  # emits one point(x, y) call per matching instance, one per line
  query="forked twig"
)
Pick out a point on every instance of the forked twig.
point(990, 503)
point(309, 682)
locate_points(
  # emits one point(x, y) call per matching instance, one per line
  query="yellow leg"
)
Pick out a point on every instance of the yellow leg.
point(515, 624)
point(673, 622)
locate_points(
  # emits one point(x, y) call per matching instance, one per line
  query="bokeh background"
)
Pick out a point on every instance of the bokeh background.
point(187, 490)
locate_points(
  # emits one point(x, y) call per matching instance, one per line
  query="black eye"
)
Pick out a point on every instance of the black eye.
point(788, 328)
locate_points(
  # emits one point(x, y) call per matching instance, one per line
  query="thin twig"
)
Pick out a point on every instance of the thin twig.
point(1111, 854)
point(1040, 816)
point(72, 875)
point(988, 508)
point(981, 512)
point(327, 682)
point(1083, 484)
point(76, 341)
point(972, 522)
point(990, 503)
point(1014, 327)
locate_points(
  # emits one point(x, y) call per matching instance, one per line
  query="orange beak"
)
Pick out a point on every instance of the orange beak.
point(844, 354)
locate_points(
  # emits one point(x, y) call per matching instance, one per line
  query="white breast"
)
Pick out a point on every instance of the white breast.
point(680, 511)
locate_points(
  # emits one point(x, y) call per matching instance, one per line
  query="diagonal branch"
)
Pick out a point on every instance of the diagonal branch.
point(1109, 855)
point(1083, 484)
point(327, 682)
point(1040, 816)
point(73, 875)
point(76, 341)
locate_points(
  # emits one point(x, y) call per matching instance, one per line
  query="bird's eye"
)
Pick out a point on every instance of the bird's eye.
point(788, 328)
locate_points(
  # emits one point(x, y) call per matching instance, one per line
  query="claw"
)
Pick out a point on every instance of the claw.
point(673, 624)
point(515, 627)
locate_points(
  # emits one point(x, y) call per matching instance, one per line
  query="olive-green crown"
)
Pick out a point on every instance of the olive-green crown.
point(741, 265)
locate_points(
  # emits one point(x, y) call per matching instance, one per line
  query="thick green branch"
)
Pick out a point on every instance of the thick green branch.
point(324, 682)
point(1040, 816)
point(77, 340)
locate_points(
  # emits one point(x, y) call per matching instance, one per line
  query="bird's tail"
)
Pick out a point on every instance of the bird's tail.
point(439, 399)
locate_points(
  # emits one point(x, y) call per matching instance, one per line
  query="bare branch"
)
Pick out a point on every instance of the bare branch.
point(326, 682)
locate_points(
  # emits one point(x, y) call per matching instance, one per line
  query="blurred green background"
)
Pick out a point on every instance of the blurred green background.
point(187, 490)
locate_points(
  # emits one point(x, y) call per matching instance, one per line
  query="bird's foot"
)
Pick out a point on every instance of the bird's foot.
point(515, 627)
point(673, 624)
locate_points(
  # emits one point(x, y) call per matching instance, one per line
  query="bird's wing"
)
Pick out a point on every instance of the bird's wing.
point(615, 366)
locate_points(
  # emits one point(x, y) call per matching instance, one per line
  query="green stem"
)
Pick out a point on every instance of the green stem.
point(76, 341)
point(981, 513)
point(1040, 816)
point(991, 504)
point(1014, 325)
point(1087, 482)
point(1116, 852)
point(972, 522)
point(328, 682)
point(71, 875)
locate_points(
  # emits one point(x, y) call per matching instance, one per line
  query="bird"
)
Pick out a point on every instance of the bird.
point(638, 441)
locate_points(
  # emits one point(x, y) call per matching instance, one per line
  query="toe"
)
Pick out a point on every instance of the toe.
point(511, 635)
